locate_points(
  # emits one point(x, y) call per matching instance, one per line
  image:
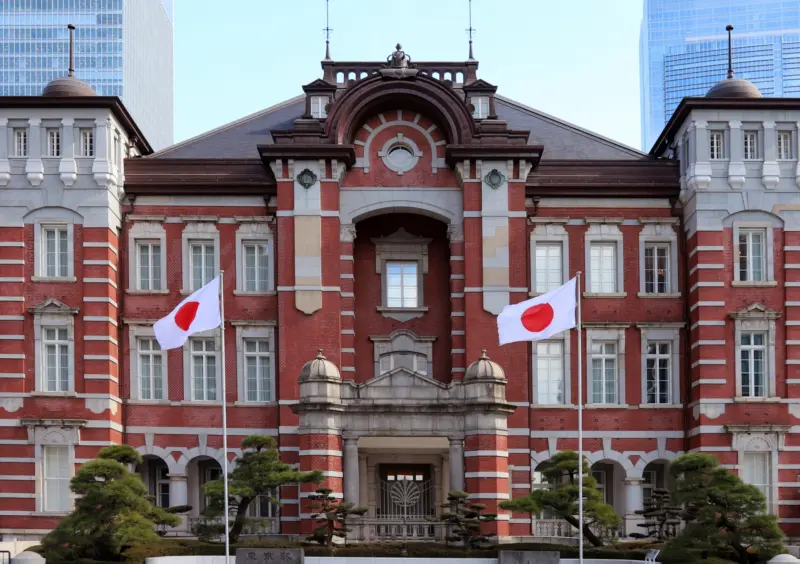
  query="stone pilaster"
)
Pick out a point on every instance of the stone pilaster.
point(34, 168)
point(67, 168)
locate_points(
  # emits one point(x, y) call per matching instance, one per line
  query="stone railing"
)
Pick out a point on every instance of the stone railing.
point(254, 526)
point(397, 530)
point(559, 528)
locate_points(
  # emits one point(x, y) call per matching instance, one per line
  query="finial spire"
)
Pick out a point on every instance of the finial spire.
point(729, 28)
point(327, 31)
point(71, 29)
point(470, 30)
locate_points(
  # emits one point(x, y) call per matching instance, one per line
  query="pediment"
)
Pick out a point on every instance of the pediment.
point(52, 305)
point(756, 311)
point(402, 377)
point(319, 85)
point(479, 85)
point(401, 384)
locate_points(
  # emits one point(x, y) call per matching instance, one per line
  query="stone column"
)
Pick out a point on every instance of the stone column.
point(179, 495)
point(33, 165)
point(101, 167)
point(456, 464)
point(67, 168)
point(633, 502)
point(362, 480)
point(770, 171)
point(351, 471)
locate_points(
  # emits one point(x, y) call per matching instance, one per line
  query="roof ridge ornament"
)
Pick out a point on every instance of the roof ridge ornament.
point(398, 65)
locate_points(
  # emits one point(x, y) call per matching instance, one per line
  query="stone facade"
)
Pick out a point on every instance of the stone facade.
point(377, 220)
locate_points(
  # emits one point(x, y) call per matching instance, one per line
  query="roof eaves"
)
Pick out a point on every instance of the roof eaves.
point(211, 132)
point(575, 128)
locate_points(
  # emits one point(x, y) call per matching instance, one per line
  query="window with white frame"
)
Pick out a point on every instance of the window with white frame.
point(53, 143)
point(256, 266)
point(56, 359)
point(258, 370)
point(403, 349)
point(56, 478)
point(716, 145)
point(549, 267)
point(203, 354)
point(649, 485)
point(603, 268)
point(402, 284)
point(262, 507)
point(209, 471)
point(756, 469)
point(402, 260)
point(784, 145)
point(753, 360)
point(550, 382)
point(752, 255)
point(601, 477)
point(481, 105)
point(148, 265)
point(603, 356)
point(151, 369)
point(657, 257)
point(658, 377)
point(318, 104)
point(56, 251)
point(87, 142)
point(202, 263)
point(750, 145)
point(20, 142)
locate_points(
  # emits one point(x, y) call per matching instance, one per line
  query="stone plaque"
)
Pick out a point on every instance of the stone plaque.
point(525, 557)
point(269, 555)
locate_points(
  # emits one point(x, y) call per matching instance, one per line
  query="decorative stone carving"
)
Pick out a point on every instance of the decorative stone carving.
point(455, 233)
point(11, 404)
point(347, 233)
point(307, 178)
point(401, 245)
point(757, 443)
point(53, 437)
point(494, 179)
point(398, 65)
point(710, 410)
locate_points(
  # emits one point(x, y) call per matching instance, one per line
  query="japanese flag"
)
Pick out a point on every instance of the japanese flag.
point(539, 318)
point(199, 312)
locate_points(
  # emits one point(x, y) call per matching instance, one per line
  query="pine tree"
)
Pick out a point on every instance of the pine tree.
point(112, 511)
point(464, 520)
point(561, 497)
point(331, 516)
point(258, 472)
point(723, 515)
point(661, 518)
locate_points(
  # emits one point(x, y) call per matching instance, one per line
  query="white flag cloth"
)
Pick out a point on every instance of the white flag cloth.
point(199, 312)
point(540, 317)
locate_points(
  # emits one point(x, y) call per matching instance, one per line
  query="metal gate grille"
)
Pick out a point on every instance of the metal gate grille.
point(405, 502)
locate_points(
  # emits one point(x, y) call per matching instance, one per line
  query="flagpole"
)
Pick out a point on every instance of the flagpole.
point(224, 415)
point(580, 423)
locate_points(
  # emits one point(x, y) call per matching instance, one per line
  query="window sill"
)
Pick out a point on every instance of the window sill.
point(606, 406)
point(54, 394)
point(255, 404)
point(54, 279)
point(134, 292)
point(199, 403)
point(660, 406)
point(741, 399)
point(612, 295)
point(762, 284)
point(553, 406)
point(250, 293)
point(147, 402)
point(662, 296)
point(402, 313)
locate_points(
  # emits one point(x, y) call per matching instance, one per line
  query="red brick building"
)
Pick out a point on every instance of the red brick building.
point(385, 217)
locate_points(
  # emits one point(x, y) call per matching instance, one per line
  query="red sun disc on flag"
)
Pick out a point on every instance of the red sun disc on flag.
point(536, 318)
point(186, 314)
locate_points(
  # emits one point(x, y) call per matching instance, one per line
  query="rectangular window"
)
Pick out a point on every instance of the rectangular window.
point(20, 142)
point(55, 358)
point(204, 369)
point(481, 104)
point(318, 104)
point(649, 485)
point(87, 143)
point(256, 267)
point(116, 155)
point(53, 143)
point(550, 372)
point(55, 469)
point(752, 255)
point(148, 257)
point(202, 267)
point(548, 267)
point(784, 145)
point(603, 267)
point(756, 470)
point(658, 368)
point(601, 478)
point(750, 145)
point(753, 362)
point(258, 366)
point(162, 486)
point(151, 370)
point(56, 252)
point(401, 284)
point(262, 507)
point(656, 268)
point(715, 145)
point(604, 372)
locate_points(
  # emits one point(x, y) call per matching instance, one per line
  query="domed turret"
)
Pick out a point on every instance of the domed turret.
point(733, 87)
point(68, 85)
point(320, 368)
point(483, 369)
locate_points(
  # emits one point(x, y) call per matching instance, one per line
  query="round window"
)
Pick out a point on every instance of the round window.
point(401, 157)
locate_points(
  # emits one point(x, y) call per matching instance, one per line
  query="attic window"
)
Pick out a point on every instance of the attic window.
point(481, 104)
point(318, 104)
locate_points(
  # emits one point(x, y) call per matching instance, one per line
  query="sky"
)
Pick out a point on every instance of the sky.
point(577, 60)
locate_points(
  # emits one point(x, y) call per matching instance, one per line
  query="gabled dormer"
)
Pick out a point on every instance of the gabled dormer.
point(319, 97)
point(480, 97)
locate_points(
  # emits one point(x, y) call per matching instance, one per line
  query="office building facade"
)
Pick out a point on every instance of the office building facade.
point(683, 51)
point(123, 48)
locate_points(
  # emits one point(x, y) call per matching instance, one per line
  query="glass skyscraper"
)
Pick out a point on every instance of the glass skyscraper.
point(122, 48)
point(683, 51)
